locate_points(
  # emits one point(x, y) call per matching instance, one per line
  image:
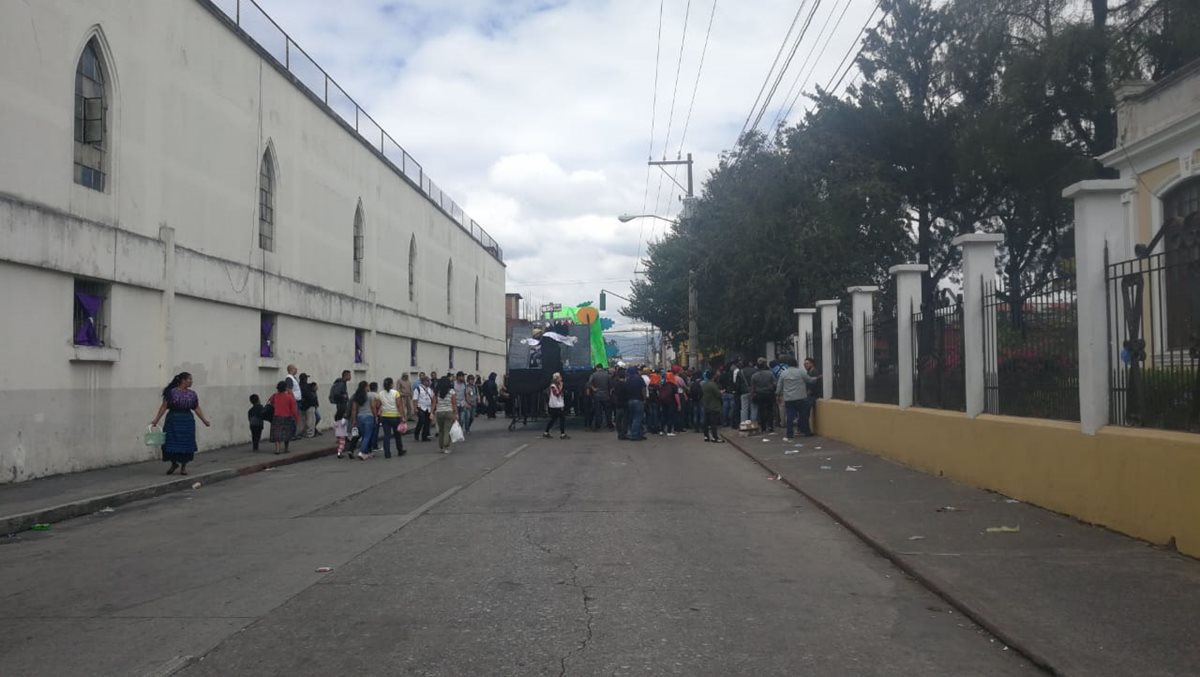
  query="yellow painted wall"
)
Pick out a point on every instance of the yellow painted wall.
point(1145, 483)
point(1152, 179)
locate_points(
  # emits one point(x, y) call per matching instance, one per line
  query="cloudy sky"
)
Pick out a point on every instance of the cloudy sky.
point(536, 115)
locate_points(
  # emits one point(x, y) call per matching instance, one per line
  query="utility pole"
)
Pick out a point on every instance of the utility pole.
point(693, 312)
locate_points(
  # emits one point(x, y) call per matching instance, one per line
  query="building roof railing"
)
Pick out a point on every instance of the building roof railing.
point(257, 26)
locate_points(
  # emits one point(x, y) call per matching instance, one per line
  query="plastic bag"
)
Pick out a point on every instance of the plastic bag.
point(154, 437)
point(402, 428)
point(456, 433)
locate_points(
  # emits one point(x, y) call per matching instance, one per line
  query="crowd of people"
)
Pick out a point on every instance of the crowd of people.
point(632, 401)
point(751, 396)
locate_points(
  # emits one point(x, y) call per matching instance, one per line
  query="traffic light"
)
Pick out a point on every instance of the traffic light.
point(603, 301)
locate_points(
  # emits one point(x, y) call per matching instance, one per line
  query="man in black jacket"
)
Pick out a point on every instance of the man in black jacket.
point(338, 396)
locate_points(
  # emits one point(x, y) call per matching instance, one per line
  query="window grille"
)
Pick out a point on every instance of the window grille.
point(266, 203)
point(90, 313)
point(90, 124)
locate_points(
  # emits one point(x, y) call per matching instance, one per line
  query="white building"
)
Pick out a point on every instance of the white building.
point(177, 194)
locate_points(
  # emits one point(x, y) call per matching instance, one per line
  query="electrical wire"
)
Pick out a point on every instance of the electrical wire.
point(691, 106)
point(857, 43)
point(687, 12)
point(782, 116)
point(650, 148)
point(796, 46)
point(763, 88)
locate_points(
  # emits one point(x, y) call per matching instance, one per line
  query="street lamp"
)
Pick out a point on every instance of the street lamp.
point(626, 218)
point(693, 313)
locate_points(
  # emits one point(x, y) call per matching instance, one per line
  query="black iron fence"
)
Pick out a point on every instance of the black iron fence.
point(843, 361)
point(882, 353)
point(1154, 339)
point(1031, 351)
point(939, 378)
point(813, 349)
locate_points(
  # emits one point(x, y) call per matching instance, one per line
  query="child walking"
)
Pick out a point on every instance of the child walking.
point(341, 430)
point(255, 416)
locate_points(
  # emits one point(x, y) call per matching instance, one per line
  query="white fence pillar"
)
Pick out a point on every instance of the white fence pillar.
point(804, 331)
point(908, 300)
point(829, 312)
point(862, 311)
point(979, 268)
point(1100, 219)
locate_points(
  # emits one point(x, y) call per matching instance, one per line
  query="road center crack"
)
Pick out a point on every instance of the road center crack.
point(586, 599)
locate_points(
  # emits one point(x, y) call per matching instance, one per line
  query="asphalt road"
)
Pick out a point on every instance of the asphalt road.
point(514, 555)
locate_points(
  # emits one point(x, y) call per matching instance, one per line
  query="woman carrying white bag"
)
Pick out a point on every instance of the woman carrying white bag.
point(445, 412)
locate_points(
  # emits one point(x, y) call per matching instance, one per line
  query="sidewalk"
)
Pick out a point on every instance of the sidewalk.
point(1075, 599)
point(61, 497)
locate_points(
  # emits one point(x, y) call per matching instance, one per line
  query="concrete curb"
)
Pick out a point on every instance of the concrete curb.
point(978, 616)
point(11, 524)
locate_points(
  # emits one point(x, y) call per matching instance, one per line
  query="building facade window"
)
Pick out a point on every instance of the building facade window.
point(476, 300)
point(1181, 245)
point(266, 202)
point(91, 313)
point(412, 353)
point(451, 358)
point(360, 350)
point(91, 125)
point(476, 361)
point(358, 242)
point(412, 270)
point(266, 334)
point(450, 287)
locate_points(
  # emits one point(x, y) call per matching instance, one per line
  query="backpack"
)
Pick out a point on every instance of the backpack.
point(765, 388)
point(666, 392)
point(697, 391)
point(268, 411)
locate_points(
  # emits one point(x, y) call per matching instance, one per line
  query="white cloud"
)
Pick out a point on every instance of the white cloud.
point(535, 115)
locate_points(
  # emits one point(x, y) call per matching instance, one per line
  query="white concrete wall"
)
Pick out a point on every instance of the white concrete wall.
point(191, 109)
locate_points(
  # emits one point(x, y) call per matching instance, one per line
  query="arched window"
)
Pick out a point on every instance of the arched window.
point(449, 286)
point(412, 269)
point(358, 242)
point(91, 126)
point(266, 202)
point(1181, 244)
point(476, 300)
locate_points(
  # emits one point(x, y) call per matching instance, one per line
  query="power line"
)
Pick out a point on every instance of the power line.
point(687, 12)
point(650, 149)
point(781, 116)
point(775, 87)
point(857, 43)
point(771, 70)
point(695, 88)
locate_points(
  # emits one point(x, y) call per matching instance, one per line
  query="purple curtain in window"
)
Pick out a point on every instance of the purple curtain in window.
point(264, 341)
point(86, 334)
point(358, 348)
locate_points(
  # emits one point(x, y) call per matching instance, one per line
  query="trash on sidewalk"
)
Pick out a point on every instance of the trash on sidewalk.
point(826, 467)
point(916, 538)
point(1003, 530)
point(1011, 500)
point(324, 570)
point(195, 485)
point(776, 476)
point(791, 451)
point(817, 448)
point(40, 526)
point(109, 509)
point(766, 439)
point(853, 468)
point(950, 508)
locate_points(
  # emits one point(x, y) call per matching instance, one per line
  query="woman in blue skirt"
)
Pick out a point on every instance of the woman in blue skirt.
point(178, 402)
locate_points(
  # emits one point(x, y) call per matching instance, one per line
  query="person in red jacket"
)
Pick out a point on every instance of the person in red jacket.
point(285, 418)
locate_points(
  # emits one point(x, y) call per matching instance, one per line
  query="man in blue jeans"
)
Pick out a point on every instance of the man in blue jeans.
point(635, 392)
point(792, 388)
